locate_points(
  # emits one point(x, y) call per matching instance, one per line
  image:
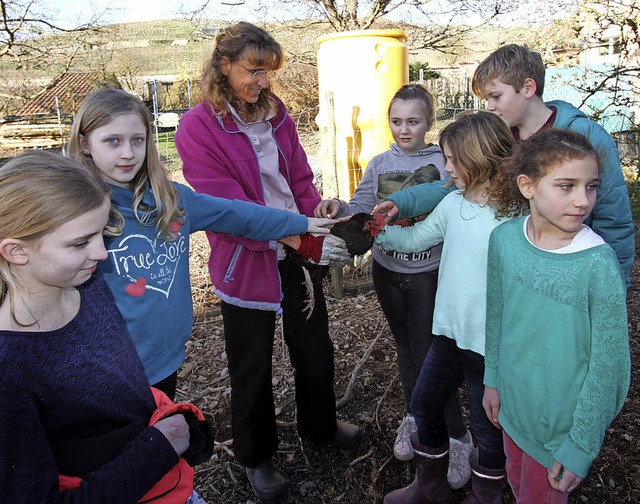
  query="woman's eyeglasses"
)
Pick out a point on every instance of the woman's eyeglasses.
point(258, 74)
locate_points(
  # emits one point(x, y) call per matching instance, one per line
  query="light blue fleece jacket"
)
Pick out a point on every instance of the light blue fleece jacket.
point(461, 298)
point(611, 217)
point(149, 277)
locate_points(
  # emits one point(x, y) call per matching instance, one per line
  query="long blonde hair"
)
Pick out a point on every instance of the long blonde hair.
point(235, 42)
point(39, 192)
point(99, 109)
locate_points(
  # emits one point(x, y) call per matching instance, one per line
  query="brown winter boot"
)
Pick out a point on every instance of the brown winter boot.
point(430, 485)
point(486, 484)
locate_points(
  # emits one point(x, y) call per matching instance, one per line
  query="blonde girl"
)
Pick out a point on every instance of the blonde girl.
point(74, 399)
point(475, 146)
point(147, 266)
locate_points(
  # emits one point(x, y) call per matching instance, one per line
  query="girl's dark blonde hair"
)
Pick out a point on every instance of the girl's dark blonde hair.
point(99, 109)
point(480, 143)
point(418, 93)
point(238, 41)
point(39, 192)
point(537, 155)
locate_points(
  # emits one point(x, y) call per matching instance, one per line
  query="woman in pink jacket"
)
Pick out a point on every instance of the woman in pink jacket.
point(240, 143)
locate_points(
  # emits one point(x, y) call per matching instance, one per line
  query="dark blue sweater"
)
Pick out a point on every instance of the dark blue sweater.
point(60, 387)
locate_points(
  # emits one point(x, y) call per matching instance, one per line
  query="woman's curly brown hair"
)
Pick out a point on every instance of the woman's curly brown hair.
point(479, 143)
point(241, 40)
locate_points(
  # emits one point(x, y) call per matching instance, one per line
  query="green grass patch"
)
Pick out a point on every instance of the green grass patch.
point(167, 150)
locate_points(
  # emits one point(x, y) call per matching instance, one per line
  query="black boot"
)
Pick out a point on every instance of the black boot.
point(486, 484)
point(269, 485)
point(347, 436)
point(430, 485)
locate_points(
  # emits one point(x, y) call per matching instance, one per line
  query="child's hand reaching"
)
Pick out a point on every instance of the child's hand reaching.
point(387, 209)
point(491, 405)
point(561, 479)
point(327, 208)
point(320, 226)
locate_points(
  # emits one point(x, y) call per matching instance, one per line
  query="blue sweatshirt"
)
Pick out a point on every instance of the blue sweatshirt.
point(149, 277)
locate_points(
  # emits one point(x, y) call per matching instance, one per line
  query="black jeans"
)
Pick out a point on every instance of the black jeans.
point(407, 301)
point(249, 337)
point(168, 385)
point(444, 367)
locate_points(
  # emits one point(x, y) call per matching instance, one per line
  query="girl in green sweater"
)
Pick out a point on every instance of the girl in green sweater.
point(557, 363)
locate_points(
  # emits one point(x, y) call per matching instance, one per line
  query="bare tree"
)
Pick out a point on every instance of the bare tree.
point(24, 27)
point(33, 47)
point(345, 15)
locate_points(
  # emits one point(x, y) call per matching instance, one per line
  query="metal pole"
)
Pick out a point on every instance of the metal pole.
point(155, 112)
point(60, 124)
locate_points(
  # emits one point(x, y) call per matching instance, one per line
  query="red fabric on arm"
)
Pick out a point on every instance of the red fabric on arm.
point(311, 247)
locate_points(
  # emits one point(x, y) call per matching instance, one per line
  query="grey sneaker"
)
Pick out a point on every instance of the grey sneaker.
point(195, 498)
point(459, 468)
point(402, 448)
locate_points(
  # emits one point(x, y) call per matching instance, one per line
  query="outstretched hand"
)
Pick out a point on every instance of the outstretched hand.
point(327, 208)
point(323, 250)
point(561, 479)
point(387, 209)
point(319, 226)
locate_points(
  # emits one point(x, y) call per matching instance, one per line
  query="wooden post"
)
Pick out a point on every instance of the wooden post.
point(337, 277)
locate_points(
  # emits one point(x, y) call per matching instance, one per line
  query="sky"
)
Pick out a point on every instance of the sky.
point(72, 13)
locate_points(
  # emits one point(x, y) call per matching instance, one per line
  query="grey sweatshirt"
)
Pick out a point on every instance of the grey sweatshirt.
point(390, 172)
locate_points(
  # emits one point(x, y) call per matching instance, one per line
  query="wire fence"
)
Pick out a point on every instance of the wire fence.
point(613, 109)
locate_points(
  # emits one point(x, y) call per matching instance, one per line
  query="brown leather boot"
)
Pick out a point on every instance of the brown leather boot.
point(486, 484)
point(430, 485)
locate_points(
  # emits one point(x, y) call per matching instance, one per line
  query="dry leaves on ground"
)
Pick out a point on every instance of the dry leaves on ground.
point(368, 391)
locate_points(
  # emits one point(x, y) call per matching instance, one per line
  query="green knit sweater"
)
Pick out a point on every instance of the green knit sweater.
point(557, 346)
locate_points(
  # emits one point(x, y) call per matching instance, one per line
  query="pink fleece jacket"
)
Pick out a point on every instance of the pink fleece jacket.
point(219, 159)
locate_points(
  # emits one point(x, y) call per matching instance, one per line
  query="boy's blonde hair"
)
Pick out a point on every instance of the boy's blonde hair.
point(99, 109)
point(479, 142)
point(512, 64)
point(39, 192)
point(234, 43)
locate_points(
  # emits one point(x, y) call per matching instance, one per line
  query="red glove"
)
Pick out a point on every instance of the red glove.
point(323, 250)
point(311, 247)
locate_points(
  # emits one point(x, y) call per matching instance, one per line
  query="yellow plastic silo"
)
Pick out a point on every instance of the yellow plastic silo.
point(358, 74)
